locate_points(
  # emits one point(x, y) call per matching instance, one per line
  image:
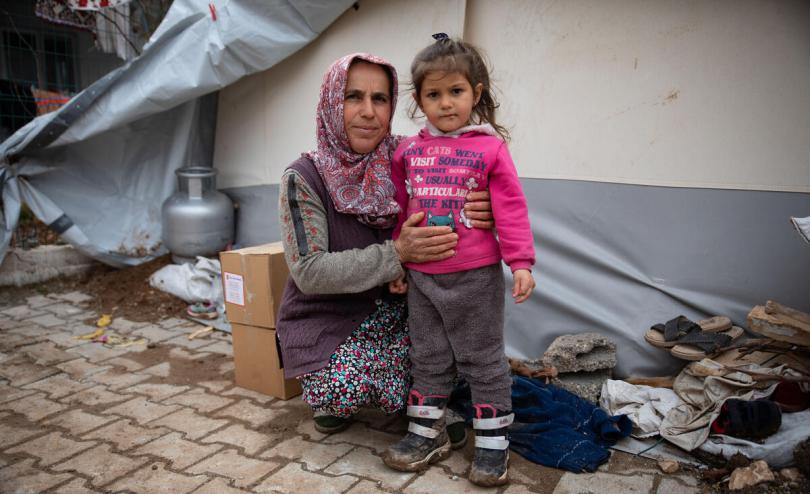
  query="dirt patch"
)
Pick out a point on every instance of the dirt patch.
point(285, 424)
point(121, 292)
point(183, 371)
point(126, 293)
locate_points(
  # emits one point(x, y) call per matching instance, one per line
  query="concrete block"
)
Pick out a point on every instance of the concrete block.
point(586, 385)
point(24, 267)
point(581, 352)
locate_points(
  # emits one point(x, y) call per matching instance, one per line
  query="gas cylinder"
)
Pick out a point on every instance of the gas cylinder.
point(198, 220)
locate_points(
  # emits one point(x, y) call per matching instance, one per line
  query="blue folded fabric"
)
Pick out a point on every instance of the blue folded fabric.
point(554, 427)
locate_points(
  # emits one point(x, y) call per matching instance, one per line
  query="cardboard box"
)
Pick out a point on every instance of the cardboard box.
point(257, 356)
point(253, 281)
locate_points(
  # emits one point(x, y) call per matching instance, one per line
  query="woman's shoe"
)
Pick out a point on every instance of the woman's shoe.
point(329, 424)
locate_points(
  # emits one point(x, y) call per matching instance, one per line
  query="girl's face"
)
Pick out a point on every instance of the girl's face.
point(447, 99)
point(366, 106)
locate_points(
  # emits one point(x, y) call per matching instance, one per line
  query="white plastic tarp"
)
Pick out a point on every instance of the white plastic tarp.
point(98, 170)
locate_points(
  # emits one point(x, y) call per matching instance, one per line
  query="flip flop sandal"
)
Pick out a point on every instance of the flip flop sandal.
point(699, 345)
point(715, 324)
point(667, 335)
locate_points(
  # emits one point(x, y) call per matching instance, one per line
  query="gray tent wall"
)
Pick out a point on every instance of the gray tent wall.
point(613, 257)
point(98, 170)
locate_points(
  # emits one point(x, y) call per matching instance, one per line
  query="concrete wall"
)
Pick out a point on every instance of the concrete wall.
point(267, 120)
point(690, 93)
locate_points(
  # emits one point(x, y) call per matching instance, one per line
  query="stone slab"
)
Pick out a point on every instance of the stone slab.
point(80, 368)
point(23, 478)
point(98, 395)
point(34, 407)
point(178, 451)
point(125, 434)
point(360, 462)
point(604, 483)
point(250, 441)
point(200, 400)
point(243, 470)
point(293, 479)
point(100, 464)
point(59, 386)
point(142, 410)
point(154, 478)
point(77, 422)
point(314, 456)
point(435, 481)
point(189, 422)
point(581, 352)
point(11, 435)
point(52, 448)
point(254, 415)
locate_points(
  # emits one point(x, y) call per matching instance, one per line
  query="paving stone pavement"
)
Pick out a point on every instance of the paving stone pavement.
point(78, 417)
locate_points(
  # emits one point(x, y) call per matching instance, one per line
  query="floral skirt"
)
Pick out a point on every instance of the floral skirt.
point(370, 368)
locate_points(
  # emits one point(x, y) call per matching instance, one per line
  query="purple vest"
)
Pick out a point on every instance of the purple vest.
point(310, 327)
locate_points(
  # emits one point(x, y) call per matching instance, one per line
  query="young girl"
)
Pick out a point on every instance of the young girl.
point(456, 305)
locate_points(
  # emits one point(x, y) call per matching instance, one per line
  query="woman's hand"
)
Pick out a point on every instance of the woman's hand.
point(424, 244)
point(478, 210)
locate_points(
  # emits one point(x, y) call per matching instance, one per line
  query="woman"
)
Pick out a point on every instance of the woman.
point(341, 331)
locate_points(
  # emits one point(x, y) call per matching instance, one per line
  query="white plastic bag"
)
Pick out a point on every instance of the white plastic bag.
point(199, 282)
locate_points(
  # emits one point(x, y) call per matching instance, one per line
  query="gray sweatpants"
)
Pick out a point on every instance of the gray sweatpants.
point(455, 322)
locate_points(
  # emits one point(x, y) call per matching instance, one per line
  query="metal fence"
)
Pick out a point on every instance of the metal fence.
point(49, 52)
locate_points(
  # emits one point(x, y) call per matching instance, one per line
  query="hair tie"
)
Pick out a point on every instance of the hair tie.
point(440, 36)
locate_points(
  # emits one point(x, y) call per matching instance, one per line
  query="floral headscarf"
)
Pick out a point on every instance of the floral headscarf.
point(359, 184)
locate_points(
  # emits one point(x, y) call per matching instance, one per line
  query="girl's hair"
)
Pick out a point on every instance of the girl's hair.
point(453, 55)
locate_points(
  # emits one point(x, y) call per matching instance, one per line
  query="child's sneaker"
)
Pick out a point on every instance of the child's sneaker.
point(426, 441)
point(491, 461)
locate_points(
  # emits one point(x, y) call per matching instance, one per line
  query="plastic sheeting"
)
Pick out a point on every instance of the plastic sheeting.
point(614, 259)
point(98, 170)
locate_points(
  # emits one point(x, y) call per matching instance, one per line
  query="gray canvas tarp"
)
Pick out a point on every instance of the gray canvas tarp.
point(98, 170)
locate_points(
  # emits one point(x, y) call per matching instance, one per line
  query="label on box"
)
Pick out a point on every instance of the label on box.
point(234, 289)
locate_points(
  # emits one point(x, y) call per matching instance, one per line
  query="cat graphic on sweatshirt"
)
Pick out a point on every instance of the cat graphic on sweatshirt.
point(441, 220)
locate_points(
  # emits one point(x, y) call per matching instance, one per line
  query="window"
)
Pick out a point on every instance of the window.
point(59, 68)
point(46, 61)
point(38, 60)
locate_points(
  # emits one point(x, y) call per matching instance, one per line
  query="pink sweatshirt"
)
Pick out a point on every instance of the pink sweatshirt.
point(434, 173)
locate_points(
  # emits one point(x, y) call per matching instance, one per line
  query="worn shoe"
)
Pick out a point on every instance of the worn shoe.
point(491, 461)
point(426, 441)
point(329, 424)
point(755, 419)
point(490, 467)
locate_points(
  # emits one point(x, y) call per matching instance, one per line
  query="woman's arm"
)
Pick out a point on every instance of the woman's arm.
point(306, 242)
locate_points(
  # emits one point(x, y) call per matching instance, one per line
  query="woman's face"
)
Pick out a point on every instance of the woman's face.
point(366, 106)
